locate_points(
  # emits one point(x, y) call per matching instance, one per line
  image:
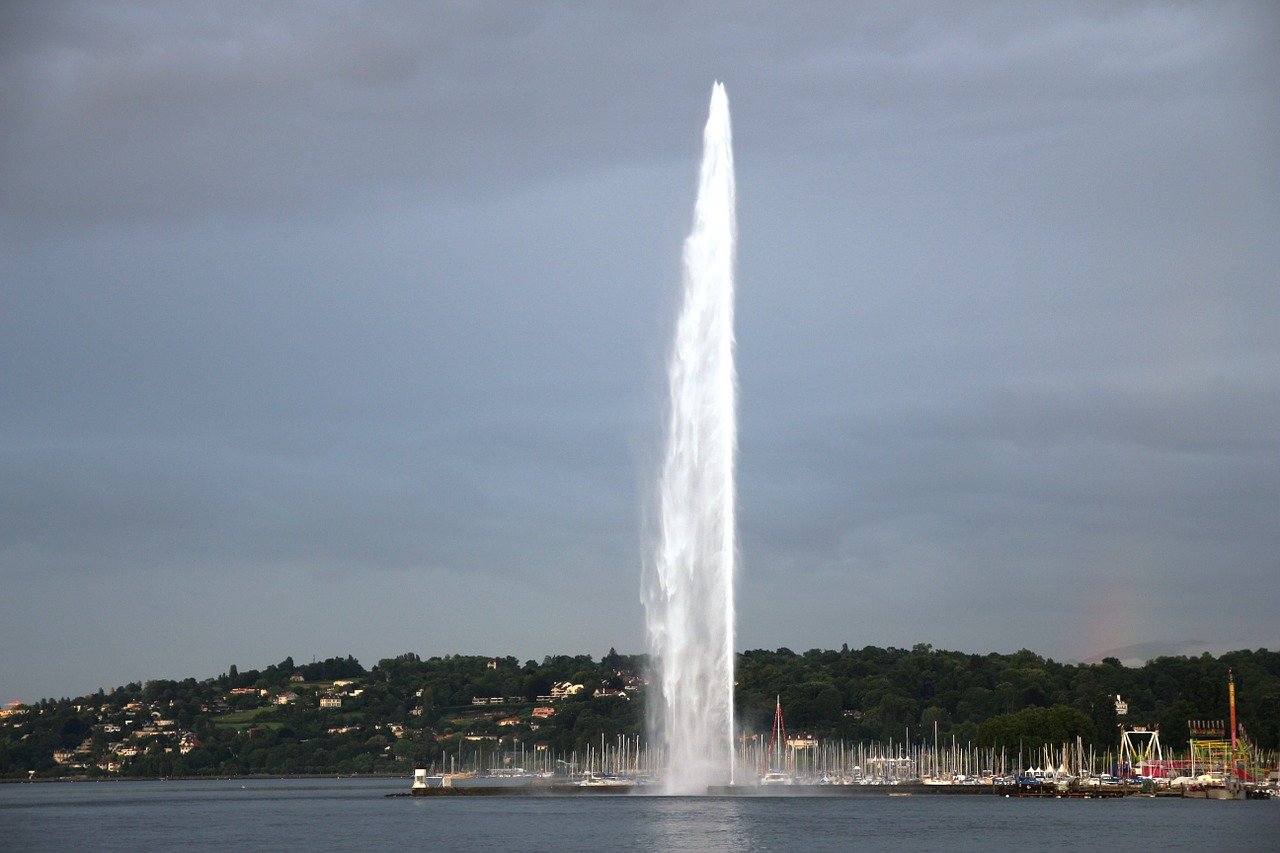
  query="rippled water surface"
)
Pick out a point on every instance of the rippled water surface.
point(348, 814)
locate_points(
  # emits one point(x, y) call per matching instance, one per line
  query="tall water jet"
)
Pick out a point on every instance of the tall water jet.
point(689, 610)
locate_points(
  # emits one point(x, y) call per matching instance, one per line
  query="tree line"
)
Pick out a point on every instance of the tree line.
point(411, 711)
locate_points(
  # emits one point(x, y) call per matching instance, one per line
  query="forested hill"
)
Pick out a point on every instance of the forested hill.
point(875, 693)
point(336, 716)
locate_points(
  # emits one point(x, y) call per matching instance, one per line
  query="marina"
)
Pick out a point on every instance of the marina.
point(1219, 764)
point(482, 788)
point(550, 789)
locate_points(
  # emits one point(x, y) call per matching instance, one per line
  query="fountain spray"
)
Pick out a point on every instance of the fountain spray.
point(689, 607)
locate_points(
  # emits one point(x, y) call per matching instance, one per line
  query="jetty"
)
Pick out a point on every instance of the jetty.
point(572, 789)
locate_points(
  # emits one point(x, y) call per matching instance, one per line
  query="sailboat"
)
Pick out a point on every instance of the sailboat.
point(777, 773)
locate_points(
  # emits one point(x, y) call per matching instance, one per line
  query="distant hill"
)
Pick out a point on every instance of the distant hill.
point(336, 716)
point(1139, 653)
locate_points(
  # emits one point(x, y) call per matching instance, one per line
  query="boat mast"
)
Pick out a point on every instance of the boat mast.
point(779, 734)
point(1231, 693)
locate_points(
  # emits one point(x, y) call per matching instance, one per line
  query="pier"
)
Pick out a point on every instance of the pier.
point(907, 789)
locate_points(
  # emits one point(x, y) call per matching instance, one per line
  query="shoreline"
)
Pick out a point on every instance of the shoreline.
point(249, 776)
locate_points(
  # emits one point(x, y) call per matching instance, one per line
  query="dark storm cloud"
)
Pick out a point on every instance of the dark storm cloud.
point(257, 112)
point(345, 321)
point(162, 112)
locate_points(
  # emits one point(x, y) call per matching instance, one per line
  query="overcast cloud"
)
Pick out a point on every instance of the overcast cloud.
point(339, 328)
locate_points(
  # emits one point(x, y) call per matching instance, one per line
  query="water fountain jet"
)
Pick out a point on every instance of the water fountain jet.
point(689, 607)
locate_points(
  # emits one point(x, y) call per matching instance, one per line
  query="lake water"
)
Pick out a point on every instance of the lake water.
point(348, 814)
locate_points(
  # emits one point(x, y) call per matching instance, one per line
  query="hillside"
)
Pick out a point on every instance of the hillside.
point(336, 716)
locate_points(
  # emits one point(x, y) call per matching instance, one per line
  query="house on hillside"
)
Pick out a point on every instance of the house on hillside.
point(564, 689)
point(630, 681)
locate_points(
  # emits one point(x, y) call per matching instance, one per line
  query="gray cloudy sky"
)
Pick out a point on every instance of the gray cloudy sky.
point(339, 328)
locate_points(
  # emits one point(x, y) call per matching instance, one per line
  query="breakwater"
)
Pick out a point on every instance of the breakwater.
point(561, 789)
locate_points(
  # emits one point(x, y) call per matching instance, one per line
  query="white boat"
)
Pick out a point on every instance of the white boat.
point(1214, 786)
point(424, 779)
point(591, 780)
point(511, 773)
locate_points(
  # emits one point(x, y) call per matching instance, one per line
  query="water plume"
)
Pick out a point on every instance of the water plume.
point(689, 608)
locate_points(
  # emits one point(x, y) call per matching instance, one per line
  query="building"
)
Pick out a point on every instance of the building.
point(630, 680)
point(329, 700)
point(564, 689)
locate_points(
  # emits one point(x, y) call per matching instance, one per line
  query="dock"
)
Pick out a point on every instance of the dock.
point(906, 789)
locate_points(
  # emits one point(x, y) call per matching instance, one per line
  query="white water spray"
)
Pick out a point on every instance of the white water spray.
point(689, 611)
